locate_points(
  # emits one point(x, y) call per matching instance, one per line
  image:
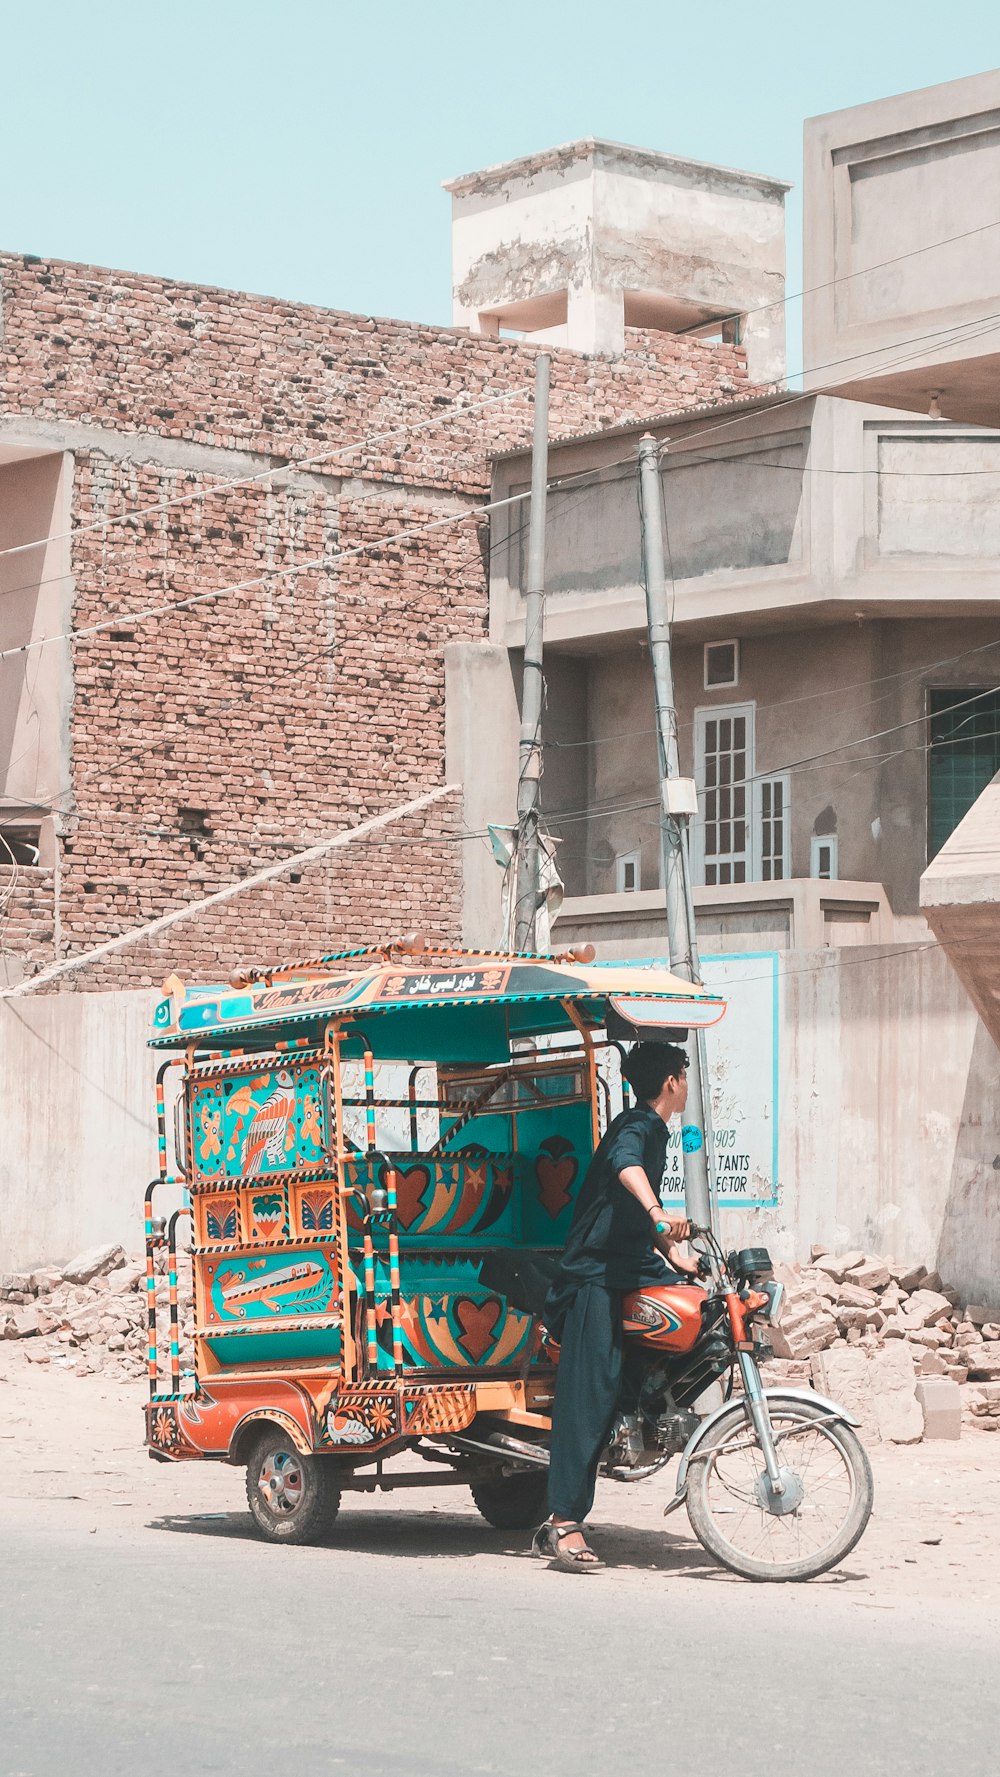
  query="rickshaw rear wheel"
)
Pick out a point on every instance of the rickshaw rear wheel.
point(292, 1498)
point(512, 1502)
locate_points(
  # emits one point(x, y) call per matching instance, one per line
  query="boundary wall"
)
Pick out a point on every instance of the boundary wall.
point(889, 1106)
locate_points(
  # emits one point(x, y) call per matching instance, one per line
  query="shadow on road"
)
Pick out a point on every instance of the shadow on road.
point(448, 1536)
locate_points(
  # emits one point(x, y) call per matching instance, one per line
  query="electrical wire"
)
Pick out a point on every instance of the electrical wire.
point(960, 333)
point(843, 278)
point(299, 464)
point(295, 466)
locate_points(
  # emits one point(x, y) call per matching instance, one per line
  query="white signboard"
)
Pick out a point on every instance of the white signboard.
point(743, 1073)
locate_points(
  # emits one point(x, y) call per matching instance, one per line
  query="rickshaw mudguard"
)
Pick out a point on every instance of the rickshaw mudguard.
point(699, 1437)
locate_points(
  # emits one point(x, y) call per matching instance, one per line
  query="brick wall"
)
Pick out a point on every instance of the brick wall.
point(206, 743)
point(27, 922)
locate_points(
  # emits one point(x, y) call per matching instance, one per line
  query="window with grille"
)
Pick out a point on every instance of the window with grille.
point(963, 755)
point(724, 770)
point(775, 835)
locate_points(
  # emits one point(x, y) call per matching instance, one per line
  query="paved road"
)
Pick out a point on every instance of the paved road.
point(144, 1631)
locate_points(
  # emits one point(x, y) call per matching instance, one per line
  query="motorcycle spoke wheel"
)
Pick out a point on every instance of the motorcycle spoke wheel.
point(822, 1512)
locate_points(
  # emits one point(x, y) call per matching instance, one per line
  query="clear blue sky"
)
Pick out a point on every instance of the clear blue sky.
point(297, 149)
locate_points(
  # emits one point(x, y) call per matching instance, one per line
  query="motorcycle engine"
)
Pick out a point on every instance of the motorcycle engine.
point(674, 1429)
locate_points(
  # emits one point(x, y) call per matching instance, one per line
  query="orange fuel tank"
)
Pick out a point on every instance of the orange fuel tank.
point(664, 1316)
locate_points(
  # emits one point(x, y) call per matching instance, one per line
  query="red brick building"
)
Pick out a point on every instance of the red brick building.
point(160, 442)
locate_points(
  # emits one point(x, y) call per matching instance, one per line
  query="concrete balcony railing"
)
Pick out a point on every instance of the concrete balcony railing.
point(800, 914)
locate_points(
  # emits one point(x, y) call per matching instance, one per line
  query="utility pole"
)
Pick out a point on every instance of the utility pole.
point(529, 756)
point(677, 804)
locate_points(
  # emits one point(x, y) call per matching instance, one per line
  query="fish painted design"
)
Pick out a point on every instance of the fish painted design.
point(296, 1288)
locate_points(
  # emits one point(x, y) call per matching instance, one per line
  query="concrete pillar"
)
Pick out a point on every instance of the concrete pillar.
point(595, 319)
point(482, 724)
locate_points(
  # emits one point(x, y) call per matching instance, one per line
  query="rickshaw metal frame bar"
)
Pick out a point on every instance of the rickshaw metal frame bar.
point(588, 1046)
point(472, 1111)
point(336, 1152)
point(175, 1349)
point(394, 1308)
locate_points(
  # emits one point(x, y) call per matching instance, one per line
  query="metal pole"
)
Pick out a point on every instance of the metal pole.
point(529, 758)
point(681, 940)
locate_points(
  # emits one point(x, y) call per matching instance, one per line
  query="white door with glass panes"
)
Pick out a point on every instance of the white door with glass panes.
point(742, 831)
point(724, 738)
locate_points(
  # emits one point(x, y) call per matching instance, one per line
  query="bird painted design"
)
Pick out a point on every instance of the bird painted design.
point(268, 1131)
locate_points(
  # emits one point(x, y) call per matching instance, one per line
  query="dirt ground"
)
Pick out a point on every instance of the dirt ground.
point(71, 1456)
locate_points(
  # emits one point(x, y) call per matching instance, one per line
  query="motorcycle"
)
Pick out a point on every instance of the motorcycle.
point(776, 1481)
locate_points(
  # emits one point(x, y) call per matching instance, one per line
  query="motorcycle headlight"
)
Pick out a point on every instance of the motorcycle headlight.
point(775, 1293)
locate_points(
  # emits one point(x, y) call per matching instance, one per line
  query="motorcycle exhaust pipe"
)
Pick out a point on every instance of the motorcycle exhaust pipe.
point(499, 1444)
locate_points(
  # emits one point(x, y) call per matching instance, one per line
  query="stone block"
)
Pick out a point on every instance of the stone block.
point(83, 1323)
point(844, 1374)
point(897, 1410)
point(26, 1323)
point(983, 1362)
point(817, 1252)
point(851, 1295)
point(871, 1274)
point(908, 1277)
point(926, 1306)
point(125, 1278)
point(941, 1404)
point(977, 1314)
point(837, 1265)
point(851, 1317)
point(932, 1364)
point(45, 1280)
point(95, 1263)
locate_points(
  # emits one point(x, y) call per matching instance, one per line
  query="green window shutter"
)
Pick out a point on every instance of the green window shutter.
point(963, 756)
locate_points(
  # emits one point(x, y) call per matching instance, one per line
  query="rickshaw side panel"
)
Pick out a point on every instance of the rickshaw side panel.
point(319, 1414)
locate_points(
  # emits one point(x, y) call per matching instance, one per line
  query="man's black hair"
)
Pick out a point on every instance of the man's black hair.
point(648, 1065)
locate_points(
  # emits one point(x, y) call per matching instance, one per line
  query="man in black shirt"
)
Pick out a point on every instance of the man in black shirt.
point(618, 1234)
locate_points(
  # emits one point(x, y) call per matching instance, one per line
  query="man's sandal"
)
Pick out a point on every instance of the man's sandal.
point(546, 1543)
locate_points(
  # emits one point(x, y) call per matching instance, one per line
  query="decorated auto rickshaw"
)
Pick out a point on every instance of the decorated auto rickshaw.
point(378, 1152)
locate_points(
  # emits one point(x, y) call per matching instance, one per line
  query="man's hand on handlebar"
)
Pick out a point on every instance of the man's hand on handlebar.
point(681, 1262)
point(678, 1227)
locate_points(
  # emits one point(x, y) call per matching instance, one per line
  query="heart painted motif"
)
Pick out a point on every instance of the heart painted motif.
point(411, 1188)
point(555, 1169)
point(479, 1322)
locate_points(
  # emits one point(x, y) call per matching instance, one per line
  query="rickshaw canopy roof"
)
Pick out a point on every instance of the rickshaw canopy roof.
point(449, 1006)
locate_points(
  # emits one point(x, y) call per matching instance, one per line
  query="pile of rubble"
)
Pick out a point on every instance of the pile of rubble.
point(901, 1318)
point(892, 1342)
point(91, 1315)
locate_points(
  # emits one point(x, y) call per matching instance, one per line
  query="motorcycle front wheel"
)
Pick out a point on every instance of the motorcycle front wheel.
point(812, 1524)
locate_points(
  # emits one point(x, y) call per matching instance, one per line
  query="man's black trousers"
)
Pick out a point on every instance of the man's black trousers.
point(588, 1385)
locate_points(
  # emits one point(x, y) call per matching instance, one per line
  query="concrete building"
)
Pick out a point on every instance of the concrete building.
point(902, 250)
point(824, 607)
point(835, 564)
